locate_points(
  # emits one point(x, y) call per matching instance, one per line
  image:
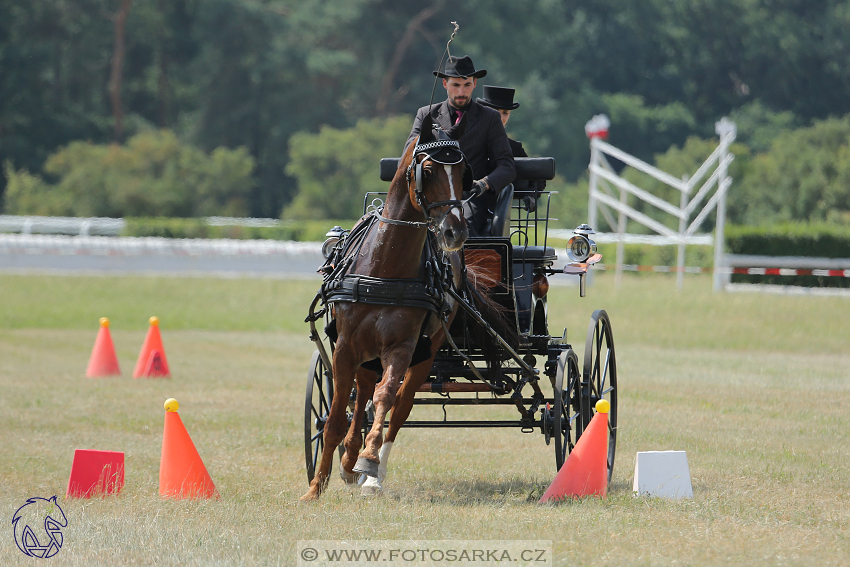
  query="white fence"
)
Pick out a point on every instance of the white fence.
point(101, 226)
point(98, 226)
point(608, 193)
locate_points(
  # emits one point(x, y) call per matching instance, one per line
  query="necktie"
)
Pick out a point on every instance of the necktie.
point(459, 116)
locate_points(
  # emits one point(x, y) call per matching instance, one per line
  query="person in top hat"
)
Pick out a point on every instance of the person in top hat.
point(484, 141)
point(501, 99)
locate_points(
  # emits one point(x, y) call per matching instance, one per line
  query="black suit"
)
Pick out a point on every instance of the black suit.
point(487, 151)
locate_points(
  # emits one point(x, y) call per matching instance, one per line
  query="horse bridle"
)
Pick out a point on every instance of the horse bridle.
point(450, 150)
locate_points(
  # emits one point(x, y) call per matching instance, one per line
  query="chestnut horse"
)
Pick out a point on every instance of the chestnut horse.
point(424, 194)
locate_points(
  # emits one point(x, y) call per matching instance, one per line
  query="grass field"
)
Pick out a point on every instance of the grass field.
point(756, 389)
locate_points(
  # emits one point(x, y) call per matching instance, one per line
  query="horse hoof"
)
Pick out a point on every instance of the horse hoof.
point(371, 487)
point(309, 497)
point(371, 491)
point(347, 477)
point(366, 466)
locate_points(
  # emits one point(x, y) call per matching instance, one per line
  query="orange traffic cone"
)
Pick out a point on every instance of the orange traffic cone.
point(152, 362)
point(586, 470)
point(182, 473)
point(103, 361)
point(95, 473)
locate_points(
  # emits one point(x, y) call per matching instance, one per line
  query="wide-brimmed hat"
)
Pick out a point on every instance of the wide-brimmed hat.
point(460, 67)
point(500, 98)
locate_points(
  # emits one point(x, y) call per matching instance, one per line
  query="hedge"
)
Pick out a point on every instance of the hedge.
point(792, 239)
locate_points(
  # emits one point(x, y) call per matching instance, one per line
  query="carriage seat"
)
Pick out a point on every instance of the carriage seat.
point(534, 253)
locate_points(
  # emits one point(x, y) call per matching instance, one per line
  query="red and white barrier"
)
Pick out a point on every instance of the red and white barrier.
point(747, 271)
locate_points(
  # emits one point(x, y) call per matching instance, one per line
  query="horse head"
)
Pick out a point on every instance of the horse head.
point(436, 177)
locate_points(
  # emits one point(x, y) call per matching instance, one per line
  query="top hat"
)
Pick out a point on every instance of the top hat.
point(500, 98)
point(460, 67)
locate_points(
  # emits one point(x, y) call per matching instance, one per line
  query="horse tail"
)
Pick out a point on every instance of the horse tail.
point(481, 283)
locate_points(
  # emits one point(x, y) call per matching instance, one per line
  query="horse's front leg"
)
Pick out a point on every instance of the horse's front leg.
point(413, 379)
point(365, 380)
point(343, 372)
point(395, 364)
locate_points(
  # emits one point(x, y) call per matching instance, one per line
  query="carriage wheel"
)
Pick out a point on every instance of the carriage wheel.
point(566, 405)
point(317, 406)
point(599, 379)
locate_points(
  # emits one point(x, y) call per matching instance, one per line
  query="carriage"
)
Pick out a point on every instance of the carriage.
point(539, 373)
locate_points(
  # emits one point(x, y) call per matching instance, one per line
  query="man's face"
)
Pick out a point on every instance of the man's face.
point(505, 115)
point(460, 90)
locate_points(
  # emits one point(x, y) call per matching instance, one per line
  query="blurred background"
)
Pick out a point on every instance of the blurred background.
point(282, 108)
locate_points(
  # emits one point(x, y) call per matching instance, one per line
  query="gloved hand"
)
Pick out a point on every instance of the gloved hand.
point(478, 188)
point(529, 203)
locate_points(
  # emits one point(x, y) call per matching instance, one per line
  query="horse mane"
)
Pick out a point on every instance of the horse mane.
point(403, 164)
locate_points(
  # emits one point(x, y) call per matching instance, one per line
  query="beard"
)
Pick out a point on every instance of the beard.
point(459, 104)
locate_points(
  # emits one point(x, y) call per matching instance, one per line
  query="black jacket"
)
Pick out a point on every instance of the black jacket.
point(484, 142)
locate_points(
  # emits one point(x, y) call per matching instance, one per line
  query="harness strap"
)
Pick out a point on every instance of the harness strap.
point(379, 291)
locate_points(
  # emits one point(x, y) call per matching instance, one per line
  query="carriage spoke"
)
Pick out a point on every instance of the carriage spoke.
point(604, 376)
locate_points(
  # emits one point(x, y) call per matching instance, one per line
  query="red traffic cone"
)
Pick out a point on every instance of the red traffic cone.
point(103, 361)
point(586, 470)
point(182, 473)
point(152, 362)
point(95, 473)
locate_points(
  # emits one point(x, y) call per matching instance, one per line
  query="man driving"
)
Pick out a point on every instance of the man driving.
point(483, 142)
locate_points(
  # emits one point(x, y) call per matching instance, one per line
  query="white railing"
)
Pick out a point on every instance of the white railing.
point(609, 192)
point(91, 226)
point(102, 226)
point(149, 245)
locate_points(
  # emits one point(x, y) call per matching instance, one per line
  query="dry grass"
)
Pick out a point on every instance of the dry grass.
point(754, 388)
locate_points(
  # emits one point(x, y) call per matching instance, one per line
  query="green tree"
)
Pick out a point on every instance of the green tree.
point(805, 176)
point(153, 175)
point(335, 168)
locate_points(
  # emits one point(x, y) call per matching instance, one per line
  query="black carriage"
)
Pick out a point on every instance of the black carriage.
point(540, 374)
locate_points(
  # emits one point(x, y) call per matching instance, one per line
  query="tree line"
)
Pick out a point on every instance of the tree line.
point(274, 76)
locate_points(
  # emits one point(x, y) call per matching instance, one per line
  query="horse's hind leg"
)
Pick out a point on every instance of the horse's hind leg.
point(336, 425)
point(365, 380)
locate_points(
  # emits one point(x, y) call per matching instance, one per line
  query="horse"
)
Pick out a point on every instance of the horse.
point(383, 305)
point(480, 281)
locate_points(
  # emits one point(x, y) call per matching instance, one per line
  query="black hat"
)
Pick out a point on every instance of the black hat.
point(460, 67)
point(500, 98)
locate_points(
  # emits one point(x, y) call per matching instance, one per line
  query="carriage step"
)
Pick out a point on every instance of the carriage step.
point(438, 387)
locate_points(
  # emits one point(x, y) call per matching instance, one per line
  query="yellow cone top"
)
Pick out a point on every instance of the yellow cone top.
point(104, 321)
point(603, 406)
point(171, 404)
point(154, 321)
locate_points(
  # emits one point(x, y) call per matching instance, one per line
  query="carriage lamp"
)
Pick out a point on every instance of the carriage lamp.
point(580, 246)
point(333, 237)
point(540, 286)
